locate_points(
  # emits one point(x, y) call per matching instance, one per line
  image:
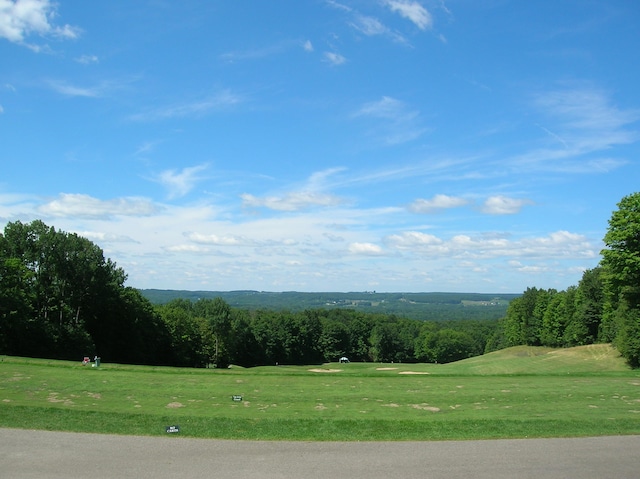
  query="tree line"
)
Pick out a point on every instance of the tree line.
point(61, 298)
point(604, 307)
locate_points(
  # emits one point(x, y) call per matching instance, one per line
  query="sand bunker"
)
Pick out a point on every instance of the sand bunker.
point(412, 372)
point(318, 370)
point(385, 369)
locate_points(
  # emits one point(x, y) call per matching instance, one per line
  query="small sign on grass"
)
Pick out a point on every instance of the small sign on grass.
point(236, 397)
point(172, 429)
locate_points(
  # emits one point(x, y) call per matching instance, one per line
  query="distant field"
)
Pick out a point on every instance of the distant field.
point(518, 392)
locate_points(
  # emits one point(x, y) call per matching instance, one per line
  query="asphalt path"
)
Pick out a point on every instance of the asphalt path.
point(52, 455)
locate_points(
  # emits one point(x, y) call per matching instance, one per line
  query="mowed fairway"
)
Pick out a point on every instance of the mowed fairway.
point(518, 392)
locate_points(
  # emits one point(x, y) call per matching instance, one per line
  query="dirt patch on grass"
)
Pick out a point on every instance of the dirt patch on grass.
point(320, 370)
point(175, 405)
point(425, 407)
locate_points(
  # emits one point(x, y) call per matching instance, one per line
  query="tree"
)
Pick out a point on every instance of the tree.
point(446, 345)
point(621, 264)
point(584, 327)
point(217, 314)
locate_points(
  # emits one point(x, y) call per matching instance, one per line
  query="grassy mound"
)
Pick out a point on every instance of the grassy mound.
point(593, 358)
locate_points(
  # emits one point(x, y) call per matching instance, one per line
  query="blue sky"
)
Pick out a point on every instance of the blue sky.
point(320, 145)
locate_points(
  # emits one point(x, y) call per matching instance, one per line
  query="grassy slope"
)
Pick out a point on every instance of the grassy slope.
point(517, 392)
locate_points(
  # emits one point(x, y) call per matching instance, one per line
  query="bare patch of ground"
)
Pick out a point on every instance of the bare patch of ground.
point(175, 405)
point(425, 407)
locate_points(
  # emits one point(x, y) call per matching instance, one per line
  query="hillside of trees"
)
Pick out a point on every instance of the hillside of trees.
point(604, 307)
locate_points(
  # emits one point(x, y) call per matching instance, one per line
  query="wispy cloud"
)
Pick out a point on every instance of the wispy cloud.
point(180, 182)
point(67, 89)
point(371, 26)
point(368, 25)
point(85, 206)
point(578, 123)
point(413, 11)
point(293, 201)
point(87, 59)
point(216, 102)
point(400, 123)
point(309, 195)
point(334, 58)
point(22, 18)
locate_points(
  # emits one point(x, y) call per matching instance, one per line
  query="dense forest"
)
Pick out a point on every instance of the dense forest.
point(61, 298)
point(423, 306)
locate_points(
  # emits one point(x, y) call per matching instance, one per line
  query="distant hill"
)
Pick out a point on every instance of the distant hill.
point(424, 306)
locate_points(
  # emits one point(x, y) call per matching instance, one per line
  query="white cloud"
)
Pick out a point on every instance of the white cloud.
point(225, 240)
point(102, 237)
point(85, 206)
point(309, 195)
point(307, 46)
point(412, 11)
point(180, 183)
point(365, 249)
point(21, 18)
point(560, 244)
point(186, 248)
point(503, 205)
point(438, 202)
point(416, 240)
point(334, 58)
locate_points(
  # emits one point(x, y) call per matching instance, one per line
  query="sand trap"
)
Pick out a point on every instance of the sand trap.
point(385, 369)
point(318, 370)
point(412, 372)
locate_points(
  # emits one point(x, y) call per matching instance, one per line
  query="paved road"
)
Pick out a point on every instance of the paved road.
point(52, 455)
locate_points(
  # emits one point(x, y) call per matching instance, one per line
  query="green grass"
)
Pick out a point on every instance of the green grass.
point(518, 392)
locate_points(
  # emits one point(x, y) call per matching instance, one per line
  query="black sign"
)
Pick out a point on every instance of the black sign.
point(236, 398)
point(173, 429)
